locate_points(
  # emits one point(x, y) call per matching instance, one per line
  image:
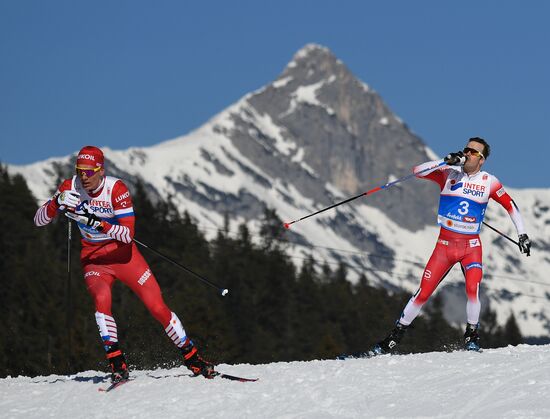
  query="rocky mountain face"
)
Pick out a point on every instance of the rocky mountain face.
point(315, 136)
point(339, 128)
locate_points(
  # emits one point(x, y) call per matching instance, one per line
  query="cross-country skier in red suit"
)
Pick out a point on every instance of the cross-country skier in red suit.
point(102, 207)
point(465, 192)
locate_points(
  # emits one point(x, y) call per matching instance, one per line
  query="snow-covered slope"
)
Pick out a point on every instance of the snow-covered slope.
point(500, 383)
point(312, 137)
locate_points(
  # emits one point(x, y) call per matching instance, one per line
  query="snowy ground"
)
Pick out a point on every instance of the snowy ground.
point(511, 382)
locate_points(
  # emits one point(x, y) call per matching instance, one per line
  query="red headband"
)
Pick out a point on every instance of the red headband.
point(90, 156)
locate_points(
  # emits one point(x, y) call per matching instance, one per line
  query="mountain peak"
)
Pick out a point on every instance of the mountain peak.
point(313, 49)
point(314, 61)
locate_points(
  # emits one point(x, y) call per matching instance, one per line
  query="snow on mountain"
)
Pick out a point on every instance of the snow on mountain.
point(314, 136)
point(498, 383)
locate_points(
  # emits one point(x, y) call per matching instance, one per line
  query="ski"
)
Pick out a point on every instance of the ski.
point(362, 355)
point(373, 353)
point(235, 378)
point(114, 385)
point(216, 374)
point(477, 351)
point(228, 377)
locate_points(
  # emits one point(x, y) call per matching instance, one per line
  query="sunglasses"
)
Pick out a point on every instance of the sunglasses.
point(473, 152)
point(88, 172)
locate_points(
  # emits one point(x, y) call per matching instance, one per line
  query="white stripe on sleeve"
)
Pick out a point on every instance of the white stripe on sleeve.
point(41, 217)
point(120, 233)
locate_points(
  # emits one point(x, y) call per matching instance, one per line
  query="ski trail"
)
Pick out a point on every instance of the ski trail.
point(475, 407)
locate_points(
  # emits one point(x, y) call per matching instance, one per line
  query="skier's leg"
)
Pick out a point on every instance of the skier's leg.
point(138, 276)
point(437, 267)
point(99, 284)
point(435, 271)
point(145, 286)
point(473, 272)
point(472, 267)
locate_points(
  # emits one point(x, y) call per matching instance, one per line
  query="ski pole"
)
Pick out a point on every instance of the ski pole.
point(69, 312)
point(501, 233)
point(222, 291)
point(378, 188)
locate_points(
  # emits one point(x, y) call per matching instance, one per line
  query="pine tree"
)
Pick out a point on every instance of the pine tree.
point(512, 333)
point(308, 320)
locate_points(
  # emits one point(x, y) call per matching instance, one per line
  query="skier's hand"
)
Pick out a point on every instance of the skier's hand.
point(68, 200)
point(82, 216)
point(455, 159)
point(525, 244)
point(90, 220)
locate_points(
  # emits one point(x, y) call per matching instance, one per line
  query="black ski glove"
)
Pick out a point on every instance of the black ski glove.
point(525, 244)
point(89, 219)
point(83, 216)
point(455, 159)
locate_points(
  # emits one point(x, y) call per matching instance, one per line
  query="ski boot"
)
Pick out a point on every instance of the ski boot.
point(471, 337)
point(392, 340)
point(194, 362)
point(117, 362)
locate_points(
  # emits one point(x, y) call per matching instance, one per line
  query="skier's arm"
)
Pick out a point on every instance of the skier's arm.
point(123, 232)
point(123, 229)
point(499, 194)
point(46, 213)
point(437, 175)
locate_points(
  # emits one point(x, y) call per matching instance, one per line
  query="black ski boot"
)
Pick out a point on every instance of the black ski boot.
point(392, 340)
point(471, 337)
point(117, 362)
point(194, 362)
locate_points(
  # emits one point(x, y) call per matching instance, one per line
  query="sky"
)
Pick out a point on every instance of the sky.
point(136, 73)
point(501, 383)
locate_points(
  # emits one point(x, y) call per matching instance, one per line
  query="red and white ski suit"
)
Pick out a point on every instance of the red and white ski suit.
point(112, 254)
point(462, 204)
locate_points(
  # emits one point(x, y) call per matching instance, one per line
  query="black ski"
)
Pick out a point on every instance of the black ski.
point(228, 377)
point(235, 378)
point(362, 355)
point(217, 374)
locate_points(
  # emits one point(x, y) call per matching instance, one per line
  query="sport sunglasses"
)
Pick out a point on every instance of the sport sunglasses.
point(473, 152)
point(87, 172)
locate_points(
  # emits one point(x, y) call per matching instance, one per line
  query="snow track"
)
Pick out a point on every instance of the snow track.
point(508, 382)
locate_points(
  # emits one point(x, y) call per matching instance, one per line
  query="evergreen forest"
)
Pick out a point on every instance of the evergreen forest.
point(274, 311)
